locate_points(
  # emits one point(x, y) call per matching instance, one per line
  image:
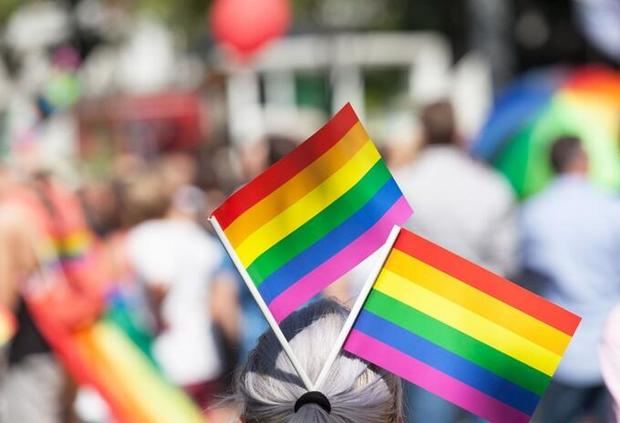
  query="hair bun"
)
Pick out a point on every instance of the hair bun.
point(314, 397)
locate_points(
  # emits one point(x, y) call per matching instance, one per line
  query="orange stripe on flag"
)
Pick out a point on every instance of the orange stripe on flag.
point(486, 281)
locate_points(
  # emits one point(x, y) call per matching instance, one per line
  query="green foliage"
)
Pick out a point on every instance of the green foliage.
point(7, 7)
point(187, 17)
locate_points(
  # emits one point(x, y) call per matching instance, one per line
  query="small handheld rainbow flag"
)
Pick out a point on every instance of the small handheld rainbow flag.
point(8, 326)
point(460, 331)
point(312, 216)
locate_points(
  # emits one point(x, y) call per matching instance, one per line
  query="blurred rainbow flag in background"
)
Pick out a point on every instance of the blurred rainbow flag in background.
point(314, 215)
point(8, 326)
point(99, 352)
point(461, 332)
point(541, 106)
point(103, 357)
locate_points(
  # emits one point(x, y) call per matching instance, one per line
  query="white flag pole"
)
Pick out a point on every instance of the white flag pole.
point(357, 307)
point(261, 304)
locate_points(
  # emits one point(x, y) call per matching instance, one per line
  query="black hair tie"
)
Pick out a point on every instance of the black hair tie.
point(314, 397)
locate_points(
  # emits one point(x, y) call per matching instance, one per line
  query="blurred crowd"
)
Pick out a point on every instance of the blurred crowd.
point(106, 186)
point(148, 227)
point(562, 243)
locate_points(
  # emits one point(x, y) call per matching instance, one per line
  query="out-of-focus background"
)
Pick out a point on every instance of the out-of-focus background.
point(147, 113)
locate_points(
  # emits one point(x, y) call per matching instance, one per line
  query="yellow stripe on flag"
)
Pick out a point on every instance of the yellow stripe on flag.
point(477, 301)
point(158, 400)
point(300, 185)
point(309, 205)
point(467, 322)
point(7, 326)
point(76, 242)
point(142, 393)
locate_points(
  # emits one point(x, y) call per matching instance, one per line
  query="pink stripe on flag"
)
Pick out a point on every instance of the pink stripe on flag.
point(312, 283)
point(432, 379)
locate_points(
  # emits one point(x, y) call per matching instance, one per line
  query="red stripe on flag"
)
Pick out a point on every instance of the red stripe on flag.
point(287, 167)
point(488, 282)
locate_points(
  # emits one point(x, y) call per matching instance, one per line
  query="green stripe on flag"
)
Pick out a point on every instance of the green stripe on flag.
point(321, 224)
point(456, 342)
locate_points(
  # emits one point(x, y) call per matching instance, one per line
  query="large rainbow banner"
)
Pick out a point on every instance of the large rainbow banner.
point(100, 353)
point(314, 215)
point(461, 332)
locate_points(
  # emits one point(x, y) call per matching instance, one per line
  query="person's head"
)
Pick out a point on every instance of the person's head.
point(278, 146)
point(257, 157)
point(268, 386)
point(438, 124)
point(146, 196)
point(567, 156)
point(102, 203)
point(178, 169)
point(188, 202)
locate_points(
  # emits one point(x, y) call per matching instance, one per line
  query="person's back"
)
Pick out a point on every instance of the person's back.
point(571, 233)
point(191, 293)
point(570, 243)
point(463, 206)
point(571, 239)
point(178, 255)
point(268, 389)
point(459, 203)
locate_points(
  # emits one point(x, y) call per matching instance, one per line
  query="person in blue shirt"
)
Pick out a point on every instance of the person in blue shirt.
point(570, 244)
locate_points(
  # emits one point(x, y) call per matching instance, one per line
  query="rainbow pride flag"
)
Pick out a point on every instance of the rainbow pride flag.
point(97, 353)
point(314, 215)
point(8, 326)
point(460, 331)
point(105, 358)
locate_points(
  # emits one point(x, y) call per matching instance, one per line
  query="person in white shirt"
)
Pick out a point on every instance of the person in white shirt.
point(191, 292)
point(462, 205)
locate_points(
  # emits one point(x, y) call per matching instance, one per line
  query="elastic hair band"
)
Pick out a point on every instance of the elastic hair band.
point(314, 397)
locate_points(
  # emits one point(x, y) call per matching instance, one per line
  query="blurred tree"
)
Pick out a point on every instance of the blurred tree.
point(7, 7)
point(188, 18)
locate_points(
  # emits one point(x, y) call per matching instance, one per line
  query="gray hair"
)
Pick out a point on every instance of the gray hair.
point(268, 387)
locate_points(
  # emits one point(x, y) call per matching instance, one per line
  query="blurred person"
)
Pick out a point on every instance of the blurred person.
point(126, 165)
point(179, 169)
point(401, 140)
point(252, 159)
point(190, 289)
point(268, 389)
point(53, 289)
point(257, 156)
point(459, 203)
point(463, 206)
point(571, 244)
point(279, 146)
point(105, 203)
point(100, 200)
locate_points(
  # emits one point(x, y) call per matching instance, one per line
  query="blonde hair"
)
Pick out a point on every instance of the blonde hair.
point(268, 386)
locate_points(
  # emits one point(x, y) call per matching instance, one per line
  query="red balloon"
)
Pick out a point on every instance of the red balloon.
point(245, 26)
